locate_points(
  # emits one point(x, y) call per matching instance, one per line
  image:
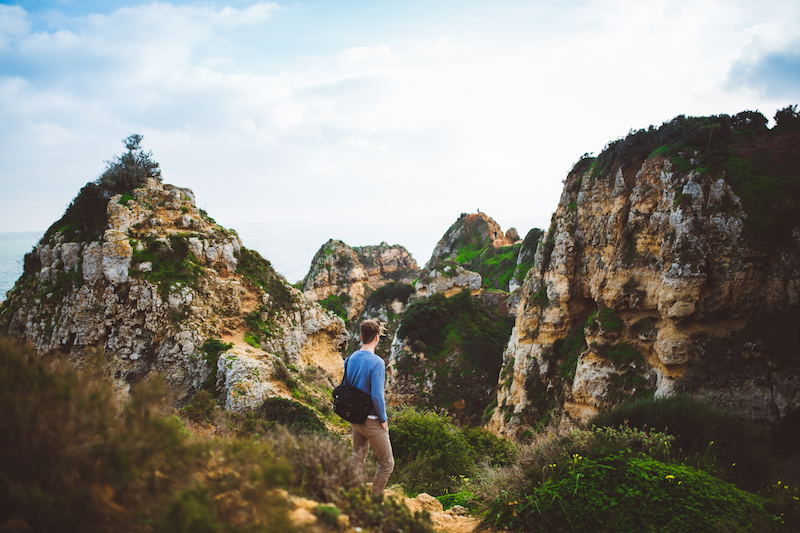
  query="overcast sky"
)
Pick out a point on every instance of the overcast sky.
point(311, 109)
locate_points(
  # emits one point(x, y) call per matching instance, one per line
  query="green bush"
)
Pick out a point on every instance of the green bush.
point(212, 349)
point(441, 325)
point(201, 407)
point(707, 437)
point(389, 293)
point(488, 447)
point(619, 493)
point(71, 459)
point(292, 414)
point(430, 452)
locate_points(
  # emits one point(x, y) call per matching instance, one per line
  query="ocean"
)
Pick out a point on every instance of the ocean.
point(289, 245)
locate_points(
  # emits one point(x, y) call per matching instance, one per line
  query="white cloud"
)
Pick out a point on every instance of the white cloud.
point(492, 113)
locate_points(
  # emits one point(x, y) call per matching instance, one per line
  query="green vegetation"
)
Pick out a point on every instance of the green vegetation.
point(212, 349)
point(433, 455)
point(705, 437)
point(759, 163)
point(291, 414)
point(622, 474)
point(86, 217)
point(474, 250)
point(607, 318)
point(69, 455)
point(336, 304)
point(389, 293)
point(616, 493)
point(173, 265)
point(260, 272)
point(390, 515)
point(569, 350)
point(463, 341)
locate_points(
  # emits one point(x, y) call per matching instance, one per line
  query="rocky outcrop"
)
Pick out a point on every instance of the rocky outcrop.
point(649, 283)
point(161, 282)
point(474, 253)
point(351, 274)
point(449, 280)
point(470, 233)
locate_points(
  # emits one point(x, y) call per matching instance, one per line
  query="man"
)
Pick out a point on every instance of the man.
point(367, 371)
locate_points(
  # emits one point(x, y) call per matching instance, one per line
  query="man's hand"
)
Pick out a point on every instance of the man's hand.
point(385, 425)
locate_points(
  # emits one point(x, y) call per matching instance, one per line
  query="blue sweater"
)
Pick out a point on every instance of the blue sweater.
point(367, 371)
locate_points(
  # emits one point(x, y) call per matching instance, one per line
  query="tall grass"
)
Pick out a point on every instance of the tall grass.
point(73, 458)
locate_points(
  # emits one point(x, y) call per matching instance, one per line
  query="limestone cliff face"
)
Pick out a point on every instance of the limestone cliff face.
point(351, 274)
point(648, 283)
point(163, 279)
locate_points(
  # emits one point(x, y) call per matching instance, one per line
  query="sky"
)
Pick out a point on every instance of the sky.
point(377, 111)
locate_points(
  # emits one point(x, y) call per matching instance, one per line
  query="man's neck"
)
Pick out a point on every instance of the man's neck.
point(370, 347)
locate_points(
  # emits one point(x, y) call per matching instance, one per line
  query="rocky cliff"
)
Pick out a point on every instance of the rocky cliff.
point(447, 350)
point(672, 265)
point(342, 278)
point(166, 290)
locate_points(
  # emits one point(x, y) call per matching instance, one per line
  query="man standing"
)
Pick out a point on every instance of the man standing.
point(367, 371)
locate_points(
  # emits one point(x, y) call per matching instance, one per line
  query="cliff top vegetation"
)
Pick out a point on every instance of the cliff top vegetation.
point(760, 163)
point(85, 218)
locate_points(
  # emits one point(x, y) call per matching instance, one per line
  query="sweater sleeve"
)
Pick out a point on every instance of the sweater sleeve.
point(378, 379)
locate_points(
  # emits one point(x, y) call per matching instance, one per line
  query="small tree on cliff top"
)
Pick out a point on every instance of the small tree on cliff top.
point(86, 218)
point(131, 169)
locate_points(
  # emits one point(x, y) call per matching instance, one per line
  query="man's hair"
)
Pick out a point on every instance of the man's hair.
point(370, 329)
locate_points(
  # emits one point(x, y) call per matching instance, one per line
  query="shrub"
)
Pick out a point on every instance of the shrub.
point(292, 414)
point(86, 216)
point(430, 452)
point(66, 457)
point(488, 447)
point(201, 407)
point(212, 349)
point(705, 436)
point(617, 493)
point(320, 464)
point(460, 322)
point(389, 293)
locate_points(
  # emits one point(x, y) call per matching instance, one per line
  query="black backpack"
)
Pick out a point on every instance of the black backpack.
point(351, 403)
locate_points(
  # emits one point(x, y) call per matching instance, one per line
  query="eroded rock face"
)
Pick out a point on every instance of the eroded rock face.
point(163, 280)
point(353, 273)
point(449, 280)
point(647, 284)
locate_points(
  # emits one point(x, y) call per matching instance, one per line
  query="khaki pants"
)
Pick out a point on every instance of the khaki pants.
point(372, 435)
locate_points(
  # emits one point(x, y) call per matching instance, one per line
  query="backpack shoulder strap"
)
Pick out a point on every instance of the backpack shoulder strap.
point(344, 377)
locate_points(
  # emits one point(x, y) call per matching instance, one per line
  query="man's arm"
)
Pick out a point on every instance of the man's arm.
point(378, 382)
